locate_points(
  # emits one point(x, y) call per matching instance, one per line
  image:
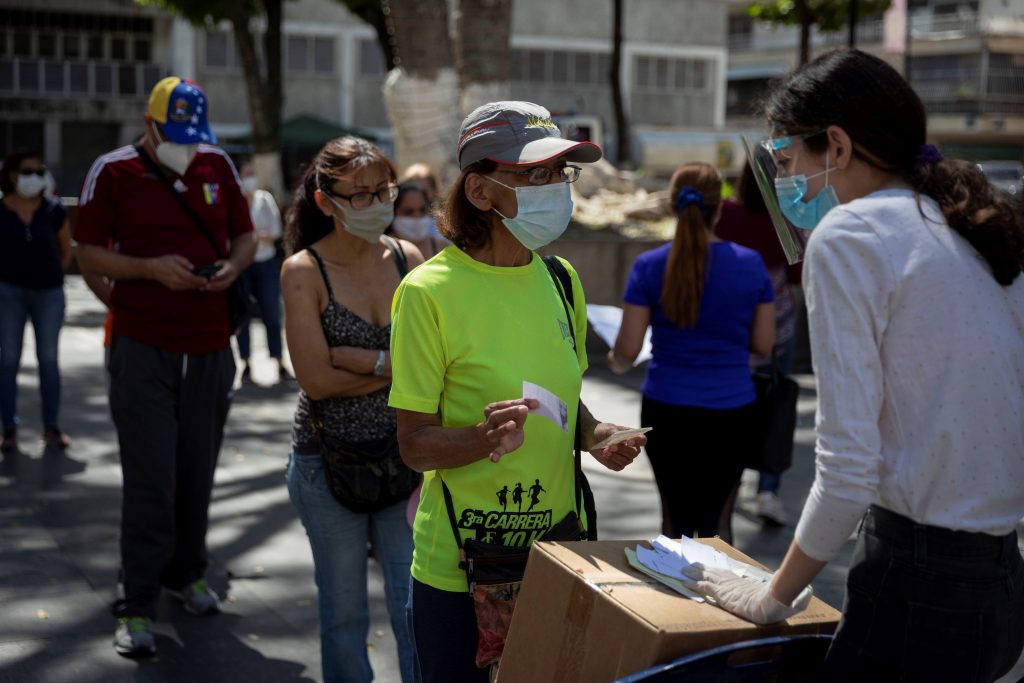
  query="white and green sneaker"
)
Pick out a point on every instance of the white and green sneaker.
point(134, 637)
point(197, 598)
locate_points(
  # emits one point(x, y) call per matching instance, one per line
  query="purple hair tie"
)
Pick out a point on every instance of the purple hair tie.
point(688, 195)
point(929, 154)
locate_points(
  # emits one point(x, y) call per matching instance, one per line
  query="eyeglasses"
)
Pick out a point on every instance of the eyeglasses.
point(541, 175)
point(41, 172)
point(362, 200)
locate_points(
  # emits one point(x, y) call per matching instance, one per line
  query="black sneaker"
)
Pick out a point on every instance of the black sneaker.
point(134, 637)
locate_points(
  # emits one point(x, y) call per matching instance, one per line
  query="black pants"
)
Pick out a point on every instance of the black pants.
point(928, 604)
point(697, 455)
point(169, 410)
point(444, 635)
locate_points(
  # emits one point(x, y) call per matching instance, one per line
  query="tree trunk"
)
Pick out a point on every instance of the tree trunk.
point(482, 31)
point(624, 156)
point(263, 90)
point(421, 91)
point(806, 20)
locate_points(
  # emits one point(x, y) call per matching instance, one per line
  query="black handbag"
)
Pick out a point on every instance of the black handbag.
point(364, 476)
point(242, 305)
point(775, 416)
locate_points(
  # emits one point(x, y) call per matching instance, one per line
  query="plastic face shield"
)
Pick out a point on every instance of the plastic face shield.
point(762, 157)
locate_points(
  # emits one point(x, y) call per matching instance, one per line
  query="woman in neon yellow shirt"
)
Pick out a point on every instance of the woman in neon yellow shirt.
point(480, 340)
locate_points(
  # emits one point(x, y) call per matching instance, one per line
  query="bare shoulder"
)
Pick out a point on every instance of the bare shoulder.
point(412, 253)
point(298, 269)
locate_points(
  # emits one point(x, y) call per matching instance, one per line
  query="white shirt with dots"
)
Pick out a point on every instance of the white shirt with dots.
point(919, 358)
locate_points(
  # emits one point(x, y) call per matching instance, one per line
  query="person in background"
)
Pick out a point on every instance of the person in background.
point(709, 303)
point(170, 361)
point(423, 174)
point(414, 221)
point(264, 275)
point(915, 301)
point(338, 286)
point(746, 222)
point(469, 327)
point(35, 250)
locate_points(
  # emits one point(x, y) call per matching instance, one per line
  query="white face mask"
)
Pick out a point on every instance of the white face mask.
point(174, 156)
point(366, 224)
point(30, 185)
point(413, 228)
point(543, 214)
point(250, 184)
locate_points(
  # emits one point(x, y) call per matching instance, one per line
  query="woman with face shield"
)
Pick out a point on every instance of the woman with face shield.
point(345, 477)
point(35, 250)
point(916, 312)
point(488, 360)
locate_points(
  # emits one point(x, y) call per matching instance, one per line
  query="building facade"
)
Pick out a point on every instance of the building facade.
point(965, 58)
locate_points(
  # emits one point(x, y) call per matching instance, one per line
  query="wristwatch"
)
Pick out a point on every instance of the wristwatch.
point(378, 367)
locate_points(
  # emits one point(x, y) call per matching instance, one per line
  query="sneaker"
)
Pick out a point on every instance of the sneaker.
point(10, 442)
point(134, 637)
point(769, 509)
point(52, 436)
point(198, 599)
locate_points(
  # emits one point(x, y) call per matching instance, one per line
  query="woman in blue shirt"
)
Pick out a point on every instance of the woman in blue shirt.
point(35, 249)
point(710, 304)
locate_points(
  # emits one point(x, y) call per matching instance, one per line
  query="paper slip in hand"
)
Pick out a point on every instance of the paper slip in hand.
point(619, 437)
point(551, 407)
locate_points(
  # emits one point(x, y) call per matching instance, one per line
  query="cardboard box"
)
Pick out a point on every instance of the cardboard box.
point(584, 615)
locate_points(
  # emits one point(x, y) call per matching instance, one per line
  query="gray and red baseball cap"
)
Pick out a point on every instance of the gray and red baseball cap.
point(518, 133)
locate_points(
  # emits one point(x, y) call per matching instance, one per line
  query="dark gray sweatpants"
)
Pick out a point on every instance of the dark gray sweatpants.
point(169, 410)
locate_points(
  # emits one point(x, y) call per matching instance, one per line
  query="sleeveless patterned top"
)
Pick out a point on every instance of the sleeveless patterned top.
point(354, 418)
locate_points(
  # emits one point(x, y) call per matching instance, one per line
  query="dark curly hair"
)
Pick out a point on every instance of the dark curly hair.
point(887, 123)
point(305, 223)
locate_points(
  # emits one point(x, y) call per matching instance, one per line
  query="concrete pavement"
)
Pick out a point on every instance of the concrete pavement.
point(59, 516)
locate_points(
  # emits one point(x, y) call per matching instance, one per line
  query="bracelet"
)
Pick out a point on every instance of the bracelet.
point(378, 367)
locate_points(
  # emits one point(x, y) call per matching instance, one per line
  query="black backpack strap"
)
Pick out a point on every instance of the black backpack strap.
point(395, 247)
point(189, 211)
point(563, 284)
point(323, 272)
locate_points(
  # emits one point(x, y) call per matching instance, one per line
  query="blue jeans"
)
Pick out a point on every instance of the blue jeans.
point(46, 309)
point(338, 538)
point(265, 284)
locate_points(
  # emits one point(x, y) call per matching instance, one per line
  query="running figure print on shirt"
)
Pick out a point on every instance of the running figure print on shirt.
point(510, 528)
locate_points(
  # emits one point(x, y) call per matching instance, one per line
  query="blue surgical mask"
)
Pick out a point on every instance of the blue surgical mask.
point(543, 213)
point(791, 191)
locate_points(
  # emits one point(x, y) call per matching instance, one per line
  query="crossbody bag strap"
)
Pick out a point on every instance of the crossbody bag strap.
point(451, 517)
point(563, 285)
point(395, 247)
point(189, 211)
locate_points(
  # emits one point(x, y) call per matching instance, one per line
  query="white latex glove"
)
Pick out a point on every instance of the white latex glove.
point(751, 600)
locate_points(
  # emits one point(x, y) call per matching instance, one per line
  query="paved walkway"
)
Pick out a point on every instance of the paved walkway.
point(59, 534)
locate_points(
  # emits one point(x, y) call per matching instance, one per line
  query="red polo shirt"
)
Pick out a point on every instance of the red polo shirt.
point(123, 203)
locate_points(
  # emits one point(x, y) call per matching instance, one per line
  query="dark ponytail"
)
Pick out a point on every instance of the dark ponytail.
point(305, 223)
point(696, 193)
point(887, 123)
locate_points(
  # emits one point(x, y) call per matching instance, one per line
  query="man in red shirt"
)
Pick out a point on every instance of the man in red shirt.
point(171, 366)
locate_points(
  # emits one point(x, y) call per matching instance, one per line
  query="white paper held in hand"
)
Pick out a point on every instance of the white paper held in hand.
point(619, 437)
point(551, 407)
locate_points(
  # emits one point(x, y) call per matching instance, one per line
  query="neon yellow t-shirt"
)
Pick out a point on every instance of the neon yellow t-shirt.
point(465, 334)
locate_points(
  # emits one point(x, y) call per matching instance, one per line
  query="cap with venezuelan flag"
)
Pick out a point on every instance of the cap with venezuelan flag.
point(179, 107)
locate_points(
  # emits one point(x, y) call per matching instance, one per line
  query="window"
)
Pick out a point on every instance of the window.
point(78, 78)
point(47, 43)
point(3, 43)
point(53, 77)
point(297, 53)
point(560, 67)
point(104, 79)
point(323, 55)
point(71, 46)
point(217, 50)
point(28, 76)
point(126, 84)
point(22, 43)
point(371, 60)
point(118, 48)
point(682, 75)
point(699, 74)
point(6, 75)
point(583, 67)
point(536, 66)
point(94, 47)
point(661, 73)
point(643, 70)
point(517, 60)
point(140, 50)
point(604, 67)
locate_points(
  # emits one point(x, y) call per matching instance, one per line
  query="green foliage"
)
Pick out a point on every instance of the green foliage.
point(828, 15)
